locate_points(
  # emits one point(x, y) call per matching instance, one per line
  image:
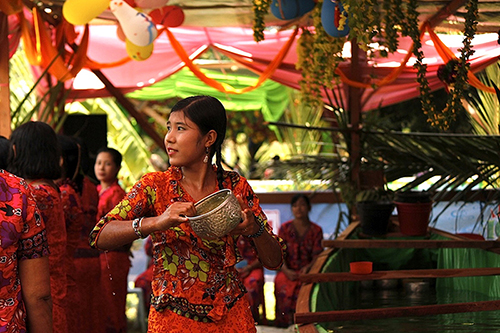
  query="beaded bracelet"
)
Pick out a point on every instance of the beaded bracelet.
point(259, 232)
point(137, 226)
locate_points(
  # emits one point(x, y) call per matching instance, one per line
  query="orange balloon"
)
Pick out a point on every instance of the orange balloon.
point(120, 33)
point(168, 16)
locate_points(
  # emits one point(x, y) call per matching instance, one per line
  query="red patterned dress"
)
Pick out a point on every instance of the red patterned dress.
point(254, 281)
point(88, 267)
point(48, 201)
point(196, 287)
point(115, 266)
point(300, 252)
point(74, 219)
point(23, 236)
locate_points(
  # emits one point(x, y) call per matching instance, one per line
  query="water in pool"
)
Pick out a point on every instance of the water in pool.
point(389, 295)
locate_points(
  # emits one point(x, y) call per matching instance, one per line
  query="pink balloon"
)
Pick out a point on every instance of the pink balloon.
point(168, 16)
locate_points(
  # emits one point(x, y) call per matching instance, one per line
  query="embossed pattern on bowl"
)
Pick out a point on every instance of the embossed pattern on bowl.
point(217, 215)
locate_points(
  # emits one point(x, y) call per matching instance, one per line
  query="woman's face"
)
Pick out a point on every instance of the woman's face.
point(183, 142)
point(105, 168)
point(300, 209)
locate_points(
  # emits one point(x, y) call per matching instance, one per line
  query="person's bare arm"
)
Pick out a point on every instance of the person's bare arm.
point(268, 248)
point(35, 287)
point(118, 233)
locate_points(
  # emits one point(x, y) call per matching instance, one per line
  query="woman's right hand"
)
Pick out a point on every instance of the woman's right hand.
point(175, 214)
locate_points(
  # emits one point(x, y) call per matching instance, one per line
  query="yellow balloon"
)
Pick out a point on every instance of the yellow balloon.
point(80, 12)
point(138, 53)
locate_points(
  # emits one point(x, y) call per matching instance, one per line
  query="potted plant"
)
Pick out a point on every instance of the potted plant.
point(414, 210)
point(375, 207)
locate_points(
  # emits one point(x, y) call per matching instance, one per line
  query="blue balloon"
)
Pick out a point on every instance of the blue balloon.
point(330, 21)
point(291, 9)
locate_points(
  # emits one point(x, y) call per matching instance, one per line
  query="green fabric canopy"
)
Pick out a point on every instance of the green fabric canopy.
point(271, 97)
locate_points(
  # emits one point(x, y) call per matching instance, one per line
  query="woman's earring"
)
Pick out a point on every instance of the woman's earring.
point(205, 160)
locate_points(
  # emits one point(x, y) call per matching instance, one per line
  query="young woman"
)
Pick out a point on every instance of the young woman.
point(303, 240)
point(35, 156)
point(115, 264)
point(196, 286)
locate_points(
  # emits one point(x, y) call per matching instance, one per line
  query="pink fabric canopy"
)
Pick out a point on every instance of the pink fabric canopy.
point(238, 44)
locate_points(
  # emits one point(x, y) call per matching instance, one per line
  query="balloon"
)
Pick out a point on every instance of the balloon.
point(119, 33)
point(138, 53)
point(80, 12)
point(290, 9)
point(150, 4)
point(168, 16)
point(131, 3)
point(332, 14)
point(137, 27)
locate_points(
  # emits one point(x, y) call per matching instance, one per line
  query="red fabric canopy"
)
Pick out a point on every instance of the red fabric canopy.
point(238, 44)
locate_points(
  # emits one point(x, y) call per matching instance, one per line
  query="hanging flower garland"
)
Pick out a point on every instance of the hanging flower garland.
point(318, 56)
point(456, 73)
point(260, 9)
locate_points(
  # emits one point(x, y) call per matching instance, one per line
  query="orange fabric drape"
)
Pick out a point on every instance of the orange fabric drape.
point(223, 87)
point(41, 52)
point(446, 54)
point(386, 80)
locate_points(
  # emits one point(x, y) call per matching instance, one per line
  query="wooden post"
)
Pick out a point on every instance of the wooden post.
point(4, 77)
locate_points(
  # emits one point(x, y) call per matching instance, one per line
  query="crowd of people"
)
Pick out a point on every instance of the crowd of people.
point(49, 207)
point(76, 234)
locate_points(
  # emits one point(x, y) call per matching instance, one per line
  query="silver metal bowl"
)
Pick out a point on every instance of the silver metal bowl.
point(217, 215)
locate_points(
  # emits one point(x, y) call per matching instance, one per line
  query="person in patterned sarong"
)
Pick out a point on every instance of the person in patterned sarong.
point(196, 286)
point(24, 272)
point(36, 157)
point(303, 240)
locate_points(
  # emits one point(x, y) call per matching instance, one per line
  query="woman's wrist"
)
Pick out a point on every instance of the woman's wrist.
point(259, 232)
point(137, 226)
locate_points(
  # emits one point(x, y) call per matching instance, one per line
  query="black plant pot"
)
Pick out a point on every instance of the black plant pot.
point(374, 216)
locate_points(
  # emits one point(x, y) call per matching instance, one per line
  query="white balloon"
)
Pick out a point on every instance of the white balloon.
point(138, 27)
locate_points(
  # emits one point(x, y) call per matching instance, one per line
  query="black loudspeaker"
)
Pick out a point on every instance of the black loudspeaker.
point(92, 130)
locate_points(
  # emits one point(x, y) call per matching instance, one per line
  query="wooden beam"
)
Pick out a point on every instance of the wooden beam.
point(450, 9)
point(5, 121)
point(410, 243)
point(400, 274)
point(409, 311)
point(141, 120)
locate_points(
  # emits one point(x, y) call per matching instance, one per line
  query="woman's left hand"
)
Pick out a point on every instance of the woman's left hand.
point(248, 225)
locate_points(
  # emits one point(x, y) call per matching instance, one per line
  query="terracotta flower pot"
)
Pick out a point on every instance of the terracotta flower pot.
point(414, 217)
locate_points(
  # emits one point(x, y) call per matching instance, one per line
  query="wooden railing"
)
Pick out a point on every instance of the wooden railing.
point(305, 318)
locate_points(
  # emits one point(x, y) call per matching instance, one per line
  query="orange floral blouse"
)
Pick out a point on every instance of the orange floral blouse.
point(193, 277)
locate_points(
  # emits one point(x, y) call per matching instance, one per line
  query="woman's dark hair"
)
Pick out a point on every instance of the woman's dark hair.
point(4, 151)
point(36, 152)
point(296, 198)
point(115, 155)
point(72, 157)
point(208, 114)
